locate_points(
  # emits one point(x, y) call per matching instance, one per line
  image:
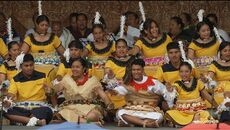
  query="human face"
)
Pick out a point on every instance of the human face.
point(77, 69)
point(73, 23)
point(174, 55)
point(43, 27)
point(174, 28)
point(153, 32)
point(98, 34)
point(75, 52)
point(132, 21)
point(137, 72)
point(184, 20)
point(57, 29)
point(81, 22)
point(121, 49)
point(204, 32)
point(27, 68)
point(225, 53)
point(14, 51)
point(185, 73)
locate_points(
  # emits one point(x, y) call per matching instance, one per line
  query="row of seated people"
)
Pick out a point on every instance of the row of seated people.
point(120, 70)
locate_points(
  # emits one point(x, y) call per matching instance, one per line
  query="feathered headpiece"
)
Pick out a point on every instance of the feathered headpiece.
point(97, 18)
point(19, 60)
point(67, 55)
point(122, 28)
point(217, 34)
point(141, 8)
point(9, 30)
point(39, 7)
point(183, 55)
point(200, 15)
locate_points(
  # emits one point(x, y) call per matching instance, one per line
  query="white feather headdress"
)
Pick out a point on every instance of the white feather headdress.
point(97, 18)
point(217, 34)
point(200, 15)
point(9, 30)
point(122, 28)
point(19, 60)
point(141, 8)
point(39, 7)
point(183, 55)
point(67, 55)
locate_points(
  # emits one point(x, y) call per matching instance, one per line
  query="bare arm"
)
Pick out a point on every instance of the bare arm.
point(2, 77)
point(134, 50)
point(191, 54)
point(85, 52)
point(208, 97)
point(61, 50)
point(103, 96)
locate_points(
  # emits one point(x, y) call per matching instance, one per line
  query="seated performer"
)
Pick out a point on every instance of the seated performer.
point(8, 69)
point(190, 106)
point(81, 93)
point(141, 107)
point(169, 72)
point(219, 73)
point(28, 92)
point(3, 51)
point(74, 50)
point(115, 68)
point(204, 49)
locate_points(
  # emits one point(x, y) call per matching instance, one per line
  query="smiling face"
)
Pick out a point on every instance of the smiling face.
point(153, 31)
point(137, 72)
point(77, 69)
point(14, 51)
point(98, 34)
point(185, 73)
point(121, 49)
point(205, 32)
point(225, 53)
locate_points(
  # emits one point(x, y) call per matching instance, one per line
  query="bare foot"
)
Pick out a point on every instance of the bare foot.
point(151, 123)
point(42, 122)
point(122, 124)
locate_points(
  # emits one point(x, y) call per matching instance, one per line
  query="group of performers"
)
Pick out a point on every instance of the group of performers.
point(148, 80)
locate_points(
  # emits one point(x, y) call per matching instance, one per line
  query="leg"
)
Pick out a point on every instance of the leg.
point(20, 119)
point(133, 119)
point(95, 116)
point(43, 113)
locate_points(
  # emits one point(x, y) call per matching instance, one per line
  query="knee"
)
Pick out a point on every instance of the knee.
point(93, 116)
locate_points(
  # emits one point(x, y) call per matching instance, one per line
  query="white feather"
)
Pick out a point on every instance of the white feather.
point(142, 14)
point(19, 60)
point(182, 50)
point(97, 18)
point(217, 34)
point(200, 15)
point(184, 55)
point(141, 7)
point(9, 30)
point(39, 7)
point(67, 55)
point(122, 28)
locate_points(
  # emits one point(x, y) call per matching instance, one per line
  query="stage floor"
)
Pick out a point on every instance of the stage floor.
point(107, 126)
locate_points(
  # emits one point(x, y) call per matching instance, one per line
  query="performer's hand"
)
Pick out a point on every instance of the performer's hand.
point(6, 104)
point(227, 104)
point(47, 88)
point(169, 87)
